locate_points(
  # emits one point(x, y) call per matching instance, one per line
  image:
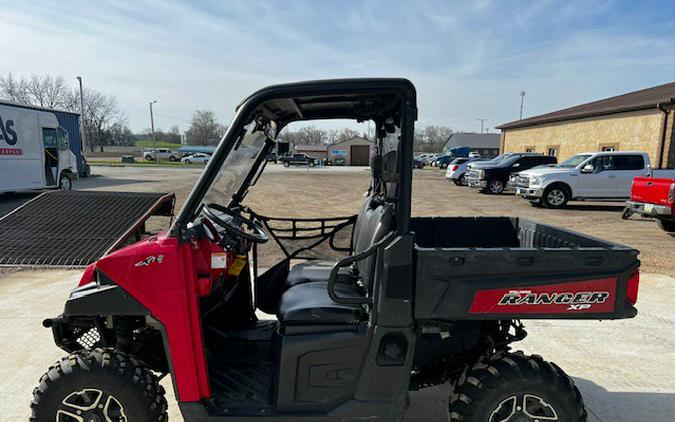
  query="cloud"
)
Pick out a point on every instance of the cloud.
point(468, 59)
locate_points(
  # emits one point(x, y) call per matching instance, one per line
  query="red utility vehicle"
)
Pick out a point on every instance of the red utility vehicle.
point(654, 197)
point(383, 303)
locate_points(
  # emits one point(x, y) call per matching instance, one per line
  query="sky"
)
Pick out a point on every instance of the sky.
point(468, 59)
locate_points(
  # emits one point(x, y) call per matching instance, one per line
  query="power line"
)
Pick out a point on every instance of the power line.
point(482, 123)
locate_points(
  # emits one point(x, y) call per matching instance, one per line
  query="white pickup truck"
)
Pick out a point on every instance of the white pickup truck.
point(597, 176)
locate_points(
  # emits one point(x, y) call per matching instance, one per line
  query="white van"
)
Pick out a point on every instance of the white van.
point(34, 151)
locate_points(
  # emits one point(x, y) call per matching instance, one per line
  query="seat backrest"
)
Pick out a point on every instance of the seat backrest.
point(365, 206)
point(374, 226)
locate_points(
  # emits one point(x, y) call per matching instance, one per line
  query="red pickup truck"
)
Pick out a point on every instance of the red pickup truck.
point(654, 197)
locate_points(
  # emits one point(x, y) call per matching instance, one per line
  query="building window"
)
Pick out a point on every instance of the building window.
point(608, 147)
point(529, 149)
point(553, 151)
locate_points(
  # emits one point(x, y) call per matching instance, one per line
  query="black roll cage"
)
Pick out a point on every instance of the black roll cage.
point(313, 100)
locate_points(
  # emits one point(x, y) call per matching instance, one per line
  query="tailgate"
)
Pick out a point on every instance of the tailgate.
point(651, 190)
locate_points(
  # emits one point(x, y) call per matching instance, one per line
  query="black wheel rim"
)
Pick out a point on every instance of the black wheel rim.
point(91, 405)
point(524, 408)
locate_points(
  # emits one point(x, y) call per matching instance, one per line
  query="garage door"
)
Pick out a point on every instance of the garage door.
point(359, 155)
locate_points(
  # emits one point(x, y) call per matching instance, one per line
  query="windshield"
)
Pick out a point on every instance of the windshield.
point(499, 158)
point(574, 160)
point(236, 167)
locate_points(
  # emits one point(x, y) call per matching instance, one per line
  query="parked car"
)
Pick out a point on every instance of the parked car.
point(418, 163)
point(443, 160)
point(298, 160)
point(654, 197)
point(588, 176)
point(494, 178)
point(161, 153)
point(199, 157)
point(474, 155)
point(457, 170)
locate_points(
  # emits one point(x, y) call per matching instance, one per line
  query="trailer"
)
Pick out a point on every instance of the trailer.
point(35, 149)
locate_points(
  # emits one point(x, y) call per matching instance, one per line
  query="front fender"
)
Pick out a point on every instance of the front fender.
point(99, 299)
point(566, 183)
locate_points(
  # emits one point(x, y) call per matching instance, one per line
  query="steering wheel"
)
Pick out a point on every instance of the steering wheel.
point(236, 224)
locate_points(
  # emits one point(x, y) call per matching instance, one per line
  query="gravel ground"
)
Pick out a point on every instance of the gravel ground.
point(297, 192)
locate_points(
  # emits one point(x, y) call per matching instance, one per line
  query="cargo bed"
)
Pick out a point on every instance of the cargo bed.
point(507, 267)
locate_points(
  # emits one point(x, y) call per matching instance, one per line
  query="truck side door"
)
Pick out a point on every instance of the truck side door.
point(627, 168)
point(601, 182)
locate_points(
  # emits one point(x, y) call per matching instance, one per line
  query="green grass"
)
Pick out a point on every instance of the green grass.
point(147, 143)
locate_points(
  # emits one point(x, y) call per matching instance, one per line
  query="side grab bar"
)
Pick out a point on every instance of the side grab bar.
point(347, 261)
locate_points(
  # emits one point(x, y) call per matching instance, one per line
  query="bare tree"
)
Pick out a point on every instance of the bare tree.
point(102, 117)
point(15, 90)
point(307, 135)
point(49, 92)
point(335, 136)
point(204, 128)
point(431, 138)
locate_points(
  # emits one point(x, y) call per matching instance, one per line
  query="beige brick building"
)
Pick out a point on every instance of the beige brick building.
point(637, 121)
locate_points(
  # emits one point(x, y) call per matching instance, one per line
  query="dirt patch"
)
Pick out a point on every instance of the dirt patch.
point(328, 192)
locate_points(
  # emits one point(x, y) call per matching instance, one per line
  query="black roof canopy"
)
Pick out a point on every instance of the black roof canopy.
point(360, 99)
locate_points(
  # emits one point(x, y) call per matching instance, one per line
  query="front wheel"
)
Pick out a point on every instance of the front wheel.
point(312, 163)
point(510, 387)
point(99, 385)
point(172, 158)
point(443, 165)
point(65, 183)
point(555, 197)
point(287, 164)
point(495, 186)
point(667, 225)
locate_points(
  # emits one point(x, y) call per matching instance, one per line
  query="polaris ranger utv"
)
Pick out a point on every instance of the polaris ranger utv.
point(405, 303)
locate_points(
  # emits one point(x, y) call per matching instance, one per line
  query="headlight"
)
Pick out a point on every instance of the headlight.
point(481, 173)
point(536, 180)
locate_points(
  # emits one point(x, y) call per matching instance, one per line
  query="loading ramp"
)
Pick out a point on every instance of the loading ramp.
point(75, 228)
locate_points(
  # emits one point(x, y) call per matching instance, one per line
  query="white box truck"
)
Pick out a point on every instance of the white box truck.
point(34, 151)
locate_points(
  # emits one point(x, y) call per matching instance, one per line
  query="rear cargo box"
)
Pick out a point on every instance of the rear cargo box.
point(501, 268)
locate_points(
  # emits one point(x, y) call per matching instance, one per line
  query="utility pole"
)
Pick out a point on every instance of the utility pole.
point(482, 123)
point(522, 100)
point(152, 132)
point(82, 128)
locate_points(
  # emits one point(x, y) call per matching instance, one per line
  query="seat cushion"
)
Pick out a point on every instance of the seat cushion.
point(309, 304)
point(315, 270)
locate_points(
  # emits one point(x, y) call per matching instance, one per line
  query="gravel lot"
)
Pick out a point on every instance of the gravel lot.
point(337, 191)
point(624, 368)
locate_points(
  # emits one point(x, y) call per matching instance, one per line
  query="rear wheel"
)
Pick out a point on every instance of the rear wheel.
point(456, 182)
point(556, 196)
point(667, 225)
point(287, 164)
point(98, 385)
point(311, 163)
point(443, 165)
point(463, 181)
point(513, 387)
point(495, 186)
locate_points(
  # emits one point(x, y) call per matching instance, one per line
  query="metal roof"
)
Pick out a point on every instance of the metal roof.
point(472, 140)
point(632, 101)
point(317, 148)
point(34, 107)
